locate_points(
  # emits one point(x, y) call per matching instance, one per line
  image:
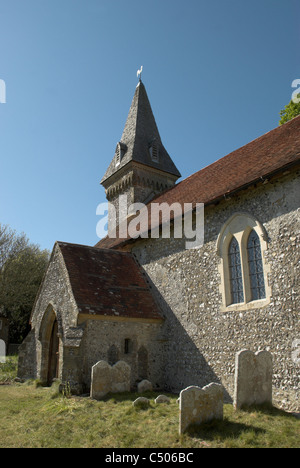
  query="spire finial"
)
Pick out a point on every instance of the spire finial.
point(139, 73)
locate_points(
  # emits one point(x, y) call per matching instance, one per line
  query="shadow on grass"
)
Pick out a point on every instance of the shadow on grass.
point(267, 409)
point(240, 426)
point(222, 430)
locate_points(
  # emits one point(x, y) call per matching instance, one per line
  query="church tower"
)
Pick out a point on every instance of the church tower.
point(141, 167)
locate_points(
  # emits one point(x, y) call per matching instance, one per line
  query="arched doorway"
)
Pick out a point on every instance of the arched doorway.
point(49, 336)
point(53, 354)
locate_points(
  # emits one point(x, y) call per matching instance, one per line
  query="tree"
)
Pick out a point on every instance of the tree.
point(22, 266)
point(10, 244)
point(290, 111)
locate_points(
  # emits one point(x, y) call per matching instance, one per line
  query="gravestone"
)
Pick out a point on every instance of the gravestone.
point(109, 379)
point(2, 352)
point(101, 383)
point(253, 378)
point(162, 399)
point(120, 377)
point(144, 386)
point(198, 405)
point(141, 402)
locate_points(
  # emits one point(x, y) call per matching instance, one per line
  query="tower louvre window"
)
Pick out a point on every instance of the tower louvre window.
point(154, 153)
point(120, 151)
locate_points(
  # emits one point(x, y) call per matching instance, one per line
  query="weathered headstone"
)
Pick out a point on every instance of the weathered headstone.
point(109, 379)
point(101, 383)
point(198, 405)
point(144, 386)
point(253, 378)
point(162, 399)
point(120, 377)
point(141, 402)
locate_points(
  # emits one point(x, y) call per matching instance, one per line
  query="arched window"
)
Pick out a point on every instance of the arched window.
point(256, 272)
point(242, 245)
point(235, 272)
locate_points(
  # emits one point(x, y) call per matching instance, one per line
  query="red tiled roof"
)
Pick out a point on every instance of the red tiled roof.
point(108, 283)
point(272, 152)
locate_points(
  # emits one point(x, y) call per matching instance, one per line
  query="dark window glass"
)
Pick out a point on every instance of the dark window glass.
point(256, 272)
point(235, 272)
point(127, 346)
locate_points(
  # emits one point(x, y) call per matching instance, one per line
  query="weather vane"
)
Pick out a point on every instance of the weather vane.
point(139, 73)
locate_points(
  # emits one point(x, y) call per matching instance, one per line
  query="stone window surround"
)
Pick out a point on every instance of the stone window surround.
point(240, 225)
point(120, 152)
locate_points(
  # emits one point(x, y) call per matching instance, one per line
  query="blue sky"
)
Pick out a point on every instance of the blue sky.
point(217, 73)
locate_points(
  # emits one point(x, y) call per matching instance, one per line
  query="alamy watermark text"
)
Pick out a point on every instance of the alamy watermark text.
point(2, 92)
point(296, 93)
point(186, 221)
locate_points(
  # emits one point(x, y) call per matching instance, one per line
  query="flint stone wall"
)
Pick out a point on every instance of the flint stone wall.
point(99, 337)
point(201, 338)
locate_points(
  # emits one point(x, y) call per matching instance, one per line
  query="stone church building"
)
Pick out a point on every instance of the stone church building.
point(178, 315)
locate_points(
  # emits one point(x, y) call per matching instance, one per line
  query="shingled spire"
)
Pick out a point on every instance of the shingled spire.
point(141, 166)
point(141, 140)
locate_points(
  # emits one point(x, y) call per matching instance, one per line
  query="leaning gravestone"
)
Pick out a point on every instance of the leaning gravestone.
point(253, 378)
point(109, 379)
point(101, 383)
point(198, 405)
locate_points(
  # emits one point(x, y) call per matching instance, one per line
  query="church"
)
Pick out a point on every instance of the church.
point(178, 316)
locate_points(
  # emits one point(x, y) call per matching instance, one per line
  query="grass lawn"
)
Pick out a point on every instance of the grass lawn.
point(33, 416)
